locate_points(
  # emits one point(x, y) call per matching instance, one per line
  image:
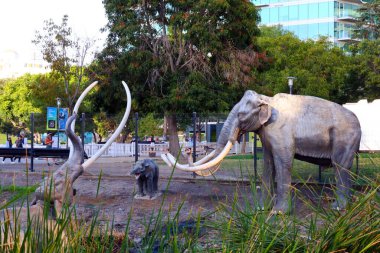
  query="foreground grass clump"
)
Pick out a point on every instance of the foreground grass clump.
point(357, 229)
point(235, 226)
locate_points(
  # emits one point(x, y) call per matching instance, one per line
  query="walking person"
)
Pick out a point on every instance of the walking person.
point(49, 144)
point(8, 145)
point(19, 144)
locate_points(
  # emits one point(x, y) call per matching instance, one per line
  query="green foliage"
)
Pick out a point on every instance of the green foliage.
point(66, 55)
point(368, 22)
point(366, 66)
point(17, 101)
point(104, 124)
point(150, 126)
point(321, 69)
point(173, 59)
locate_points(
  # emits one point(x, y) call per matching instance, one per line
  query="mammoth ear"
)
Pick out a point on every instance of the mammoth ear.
point(265, 113)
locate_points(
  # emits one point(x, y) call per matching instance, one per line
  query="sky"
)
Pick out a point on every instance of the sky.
point(20, 19)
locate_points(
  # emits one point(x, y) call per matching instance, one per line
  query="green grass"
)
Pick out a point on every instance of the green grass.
point(368, 167)
point(235, 226)
point(18, 189)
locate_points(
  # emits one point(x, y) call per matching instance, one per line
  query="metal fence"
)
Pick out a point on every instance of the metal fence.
point(152, 150)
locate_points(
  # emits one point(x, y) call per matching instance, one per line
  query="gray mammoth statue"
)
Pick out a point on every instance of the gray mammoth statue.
point(146, 173)
point(290, 126)
point(58, 188)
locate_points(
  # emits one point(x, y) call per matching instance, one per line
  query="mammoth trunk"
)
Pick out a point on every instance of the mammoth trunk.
point(228, 131)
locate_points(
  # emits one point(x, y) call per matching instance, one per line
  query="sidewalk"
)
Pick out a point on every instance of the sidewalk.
point(119, 167)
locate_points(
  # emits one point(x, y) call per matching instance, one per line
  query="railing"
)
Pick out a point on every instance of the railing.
point(145, 150)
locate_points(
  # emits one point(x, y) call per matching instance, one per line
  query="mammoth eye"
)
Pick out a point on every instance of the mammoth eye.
point(242, 116)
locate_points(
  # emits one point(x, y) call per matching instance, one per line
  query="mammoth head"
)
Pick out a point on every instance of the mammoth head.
point(139, 169)
point(252, 112)
point(249, 114)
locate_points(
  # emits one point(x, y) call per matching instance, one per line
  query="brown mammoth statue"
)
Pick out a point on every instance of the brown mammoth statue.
point(290, 126)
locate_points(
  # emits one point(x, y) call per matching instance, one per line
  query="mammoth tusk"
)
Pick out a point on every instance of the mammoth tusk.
point(205, 166)
point(76, 107)
point(166, 160)
point(202, 161)
point(117, 131)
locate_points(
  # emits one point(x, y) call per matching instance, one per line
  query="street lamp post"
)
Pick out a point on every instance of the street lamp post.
point(58, 105)
point(290, 83)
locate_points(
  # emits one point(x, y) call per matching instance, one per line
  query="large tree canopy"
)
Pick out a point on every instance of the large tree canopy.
point(321, 69)
point(179, 56)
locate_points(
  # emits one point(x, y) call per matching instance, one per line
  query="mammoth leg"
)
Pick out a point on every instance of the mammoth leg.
point(140, 184)
point(342, 163)
point(150, 185)
point(267, 187)
point(283, 159)
point(155, 180)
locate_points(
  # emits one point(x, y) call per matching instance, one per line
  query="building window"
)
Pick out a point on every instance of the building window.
point(284, 14)
point(313, 11)
point(303, 34)
point(293, 12)
point(273, 15)
point(303, 11)
point(323, 10)
point(324, 29)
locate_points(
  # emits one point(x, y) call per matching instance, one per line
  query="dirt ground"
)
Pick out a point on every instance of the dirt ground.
point(114, 197)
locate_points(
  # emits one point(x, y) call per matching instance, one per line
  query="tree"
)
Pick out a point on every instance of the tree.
point(368, 22)
point(17, 101)
point(180, 56)
point(320, 68)
point(366, 69)
point(149, 126)
point(65, 54)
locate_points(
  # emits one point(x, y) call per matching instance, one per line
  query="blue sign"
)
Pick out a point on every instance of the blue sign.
point(62, 118)
point(51, 118)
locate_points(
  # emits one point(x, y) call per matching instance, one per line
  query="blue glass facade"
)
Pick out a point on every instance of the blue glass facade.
point(310, 19)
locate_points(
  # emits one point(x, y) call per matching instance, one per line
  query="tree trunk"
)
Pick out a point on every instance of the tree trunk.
point(165, 132)
point(174, 147)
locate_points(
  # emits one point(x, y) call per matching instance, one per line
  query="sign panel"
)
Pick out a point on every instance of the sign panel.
point(62, 118)
point(55, 142)
point(51, 118)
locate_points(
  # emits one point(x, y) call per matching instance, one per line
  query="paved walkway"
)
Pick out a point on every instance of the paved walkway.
point(116, 167)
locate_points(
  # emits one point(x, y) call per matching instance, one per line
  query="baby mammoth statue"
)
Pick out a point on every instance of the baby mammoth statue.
point(146, 173)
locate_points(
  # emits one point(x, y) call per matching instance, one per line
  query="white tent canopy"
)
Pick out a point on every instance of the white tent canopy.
point(369, 118)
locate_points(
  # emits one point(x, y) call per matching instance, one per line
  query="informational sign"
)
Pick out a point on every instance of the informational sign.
point(51, 118)
point(62, 117)
point(368, 115)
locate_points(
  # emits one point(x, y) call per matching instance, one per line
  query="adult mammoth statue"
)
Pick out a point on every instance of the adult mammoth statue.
point(290, 126)
point(58, 189)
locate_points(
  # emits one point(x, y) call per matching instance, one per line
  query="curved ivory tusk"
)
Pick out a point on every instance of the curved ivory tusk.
point(203, 173)
point(166, 160)
point(117, 131)
point(76, 108)
point(202, 161)
point(204, 166)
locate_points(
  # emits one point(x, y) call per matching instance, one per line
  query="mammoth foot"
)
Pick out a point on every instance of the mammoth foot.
point(148, 197)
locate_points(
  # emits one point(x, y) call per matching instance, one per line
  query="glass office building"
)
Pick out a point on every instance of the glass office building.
point(310, 19)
